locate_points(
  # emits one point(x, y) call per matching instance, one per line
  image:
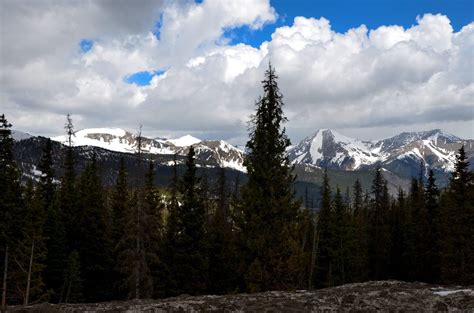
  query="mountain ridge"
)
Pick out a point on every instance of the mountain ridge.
point(401, 154)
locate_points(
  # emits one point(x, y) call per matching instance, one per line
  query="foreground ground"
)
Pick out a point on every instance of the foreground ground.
point(393, 296)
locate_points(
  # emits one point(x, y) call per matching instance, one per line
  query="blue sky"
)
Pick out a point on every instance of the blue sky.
point(86, 45)
point(143, 78)
point(347, 14)
point(342, 14)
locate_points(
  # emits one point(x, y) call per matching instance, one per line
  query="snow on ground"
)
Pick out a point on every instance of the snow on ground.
point(445, 293)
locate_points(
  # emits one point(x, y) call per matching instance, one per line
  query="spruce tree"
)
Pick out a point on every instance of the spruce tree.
point(30, 252)
point(119, 204)
point(67, 199)
point(397, 220)
point(190, 257)
point(326, 235)
point(72, 288)
point(168, 284)
point(360, 222)
point(132, 251)
point(184, 263)
point(272, 249)
point(222, 254)
point(422, 229)
point(153, 208)
point(342, 241)
point(458, 222)
point(379, 232)
point(434, 218)
point(53, 228)
point(94, 237)
point(11, 206)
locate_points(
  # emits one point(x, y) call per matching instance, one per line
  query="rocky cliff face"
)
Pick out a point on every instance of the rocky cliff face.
point(401, 154)
point(376, 296)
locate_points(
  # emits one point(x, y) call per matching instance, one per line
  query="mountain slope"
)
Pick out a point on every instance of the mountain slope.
point(328, 148)
point(211, 153)
point(401, 154)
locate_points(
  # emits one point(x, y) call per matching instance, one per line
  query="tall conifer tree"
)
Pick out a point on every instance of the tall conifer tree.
point(94, 237)
point(458, 222)
point(326, 234)
point(379, 232)
point(11, 206)
point(273, 254)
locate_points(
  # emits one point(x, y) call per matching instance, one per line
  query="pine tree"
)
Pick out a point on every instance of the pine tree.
point(47, 186)
point(67, 200)
point(94, 237)
point(190, 257)
point(379, 232)
point(422, 230)
point(53, 228)
point(434, 218)
point(30, 253)
point(11, 206)
point(119, 204)
point(132, 251)
point(458, 222)
point(408, 265)
point(342, 240)
point(360, 221)
point(222, 255)
point(273, 258)
point(153, 209)
point(326, 234)
point(397, 220)
point(72, 288)
point(56, 252)
point(168, 284)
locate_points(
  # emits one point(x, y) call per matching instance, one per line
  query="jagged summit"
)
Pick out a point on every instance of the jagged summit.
point(402, 153)
point(436, 136)
point(329, 148)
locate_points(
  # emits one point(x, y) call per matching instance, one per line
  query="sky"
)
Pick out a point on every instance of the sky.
point(370, 69)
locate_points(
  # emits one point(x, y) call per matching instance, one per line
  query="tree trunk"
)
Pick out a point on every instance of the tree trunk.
point(137, 269)
point(313, 252)
point(28, 283)
point(4, 287)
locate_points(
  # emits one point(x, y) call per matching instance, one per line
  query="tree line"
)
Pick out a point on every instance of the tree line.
point(73, 240)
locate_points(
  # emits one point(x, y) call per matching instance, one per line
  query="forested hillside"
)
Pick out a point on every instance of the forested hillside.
point(79, 239)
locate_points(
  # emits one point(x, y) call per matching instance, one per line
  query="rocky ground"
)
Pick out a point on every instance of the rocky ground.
point(381, 296)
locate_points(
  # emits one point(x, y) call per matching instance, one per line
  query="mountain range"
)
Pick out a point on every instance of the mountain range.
point(346, 158)
point(210, 153)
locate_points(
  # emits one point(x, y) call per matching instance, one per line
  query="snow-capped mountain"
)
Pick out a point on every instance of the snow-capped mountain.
point(328, 148)
point(401, 154)
point(209, 152)
point(435, 136)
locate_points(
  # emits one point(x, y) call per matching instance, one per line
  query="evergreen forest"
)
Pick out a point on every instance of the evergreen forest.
point(70, 239)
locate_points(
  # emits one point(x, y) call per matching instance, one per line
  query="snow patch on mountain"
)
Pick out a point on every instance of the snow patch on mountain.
point(19, 135)
point(211, 152)
point(184, 141)
point(328, 148)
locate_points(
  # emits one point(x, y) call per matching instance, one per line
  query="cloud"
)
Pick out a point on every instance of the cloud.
point(360, 78)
